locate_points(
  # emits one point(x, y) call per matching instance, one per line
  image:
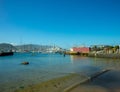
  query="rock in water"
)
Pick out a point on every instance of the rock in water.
point(25, 63)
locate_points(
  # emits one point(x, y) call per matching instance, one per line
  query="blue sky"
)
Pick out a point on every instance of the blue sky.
point(64, 23)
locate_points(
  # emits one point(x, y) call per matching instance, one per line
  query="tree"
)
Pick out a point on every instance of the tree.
point(116, 48)
point(109, 49)
point(94, 48)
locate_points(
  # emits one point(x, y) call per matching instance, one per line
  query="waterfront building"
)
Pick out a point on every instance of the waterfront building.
point(80, 49)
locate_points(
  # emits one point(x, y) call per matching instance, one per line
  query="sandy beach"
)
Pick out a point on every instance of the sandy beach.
point(77, 83)
point(54, 85)
point(108, 82)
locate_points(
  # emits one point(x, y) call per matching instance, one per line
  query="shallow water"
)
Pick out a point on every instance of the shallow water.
point(44, 67)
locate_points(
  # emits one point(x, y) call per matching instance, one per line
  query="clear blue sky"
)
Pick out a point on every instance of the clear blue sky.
point(62, 22)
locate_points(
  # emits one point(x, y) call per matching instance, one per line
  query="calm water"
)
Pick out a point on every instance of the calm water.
point(43, 67)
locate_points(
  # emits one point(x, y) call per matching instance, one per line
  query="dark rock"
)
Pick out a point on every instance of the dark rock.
point(25, 63)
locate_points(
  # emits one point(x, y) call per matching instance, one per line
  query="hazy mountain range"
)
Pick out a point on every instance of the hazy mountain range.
point(26, 47)
point(6, 47)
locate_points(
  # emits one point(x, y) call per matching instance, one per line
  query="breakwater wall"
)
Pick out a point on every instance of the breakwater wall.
point(97, 55)
point(102, 55)
point(76, 53)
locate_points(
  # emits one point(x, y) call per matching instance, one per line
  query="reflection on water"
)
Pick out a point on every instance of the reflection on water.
point(43, 67)
point(98, 62)
point(76, 57)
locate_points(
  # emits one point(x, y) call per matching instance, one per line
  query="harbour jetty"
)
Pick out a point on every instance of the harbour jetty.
point(104, 55)
point(76, 53)
point(96, 55)
point(98, 51)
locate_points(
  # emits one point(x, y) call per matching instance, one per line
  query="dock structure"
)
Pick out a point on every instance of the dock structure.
point(76, 53)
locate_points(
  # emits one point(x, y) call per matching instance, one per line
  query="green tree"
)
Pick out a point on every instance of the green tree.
point(116, 48)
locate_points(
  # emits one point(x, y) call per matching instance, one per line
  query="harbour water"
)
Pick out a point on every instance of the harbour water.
point(44, 67)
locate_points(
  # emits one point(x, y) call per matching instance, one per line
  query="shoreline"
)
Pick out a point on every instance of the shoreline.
point(62, 84)
point(108, 82)
point(55, 85)
point(101, 55)
point(96, 55)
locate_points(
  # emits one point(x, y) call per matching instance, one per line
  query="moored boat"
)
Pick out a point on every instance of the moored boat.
point(6, 53)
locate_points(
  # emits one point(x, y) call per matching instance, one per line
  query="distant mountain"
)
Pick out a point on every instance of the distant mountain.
point(6, 47)
point(28, 48)
point(32, 47)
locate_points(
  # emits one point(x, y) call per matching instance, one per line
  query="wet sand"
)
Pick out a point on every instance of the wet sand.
point(54, 85)
point(94, 88)
point(89, 89)
point(108, 82)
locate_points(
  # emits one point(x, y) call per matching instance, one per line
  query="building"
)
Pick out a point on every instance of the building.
point(80, 49)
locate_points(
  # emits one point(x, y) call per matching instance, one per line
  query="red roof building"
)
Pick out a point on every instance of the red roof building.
point(80, 49)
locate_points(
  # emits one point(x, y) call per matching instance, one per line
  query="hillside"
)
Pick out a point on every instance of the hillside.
point(32, 47)
point(6, 47)
point(28, 48)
